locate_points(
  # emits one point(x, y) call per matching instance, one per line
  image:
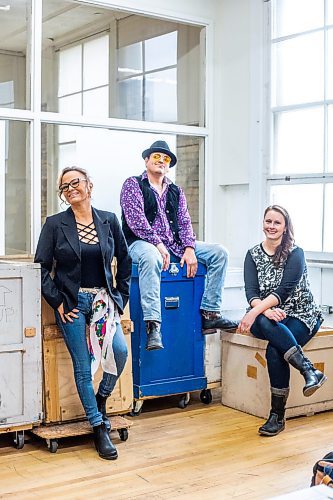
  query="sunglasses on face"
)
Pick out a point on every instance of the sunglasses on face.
point(159, 156)
point(74, 184)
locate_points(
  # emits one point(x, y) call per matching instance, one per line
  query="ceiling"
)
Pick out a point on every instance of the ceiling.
point(61, 20)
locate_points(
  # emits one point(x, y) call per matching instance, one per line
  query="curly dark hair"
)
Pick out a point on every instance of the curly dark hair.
point(73, 169)
point(287, 242)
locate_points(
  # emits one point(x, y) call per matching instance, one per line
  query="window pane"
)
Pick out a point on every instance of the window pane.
point(13, 54)
point(161, 96)
point(329, 11)
point(294, 16)
point(299, 141)
point(71, 104)
point(161, 51)
point(76, 57)
point(129, 60)
point(330, 65)
point(130, 98)
point(96, 62)
point(14, 188)
point(329, 142)
point(93, 149)
point(304, 204)
point(96, 102)
point(328, 233)
point(70, 68)
point(298, 70)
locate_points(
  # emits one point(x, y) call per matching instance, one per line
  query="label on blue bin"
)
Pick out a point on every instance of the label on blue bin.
point(171, 302)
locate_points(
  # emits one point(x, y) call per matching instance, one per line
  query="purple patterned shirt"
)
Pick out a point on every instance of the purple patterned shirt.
point(132, 203)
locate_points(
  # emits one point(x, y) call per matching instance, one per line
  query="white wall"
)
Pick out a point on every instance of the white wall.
point(237, 190)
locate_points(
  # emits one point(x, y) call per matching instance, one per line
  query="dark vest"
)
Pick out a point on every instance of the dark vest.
point(150, 208)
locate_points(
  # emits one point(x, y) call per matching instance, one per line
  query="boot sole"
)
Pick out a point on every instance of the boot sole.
point(206, 331)
point(269, 434)
point(154, 347)
point(108, 457)
point(311, 390)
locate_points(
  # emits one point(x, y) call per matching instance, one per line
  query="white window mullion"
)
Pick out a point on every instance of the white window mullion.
point(34, 159)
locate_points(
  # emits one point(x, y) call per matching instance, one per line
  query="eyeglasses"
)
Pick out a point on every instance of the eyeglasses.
point(159, 156)
point(74, 184)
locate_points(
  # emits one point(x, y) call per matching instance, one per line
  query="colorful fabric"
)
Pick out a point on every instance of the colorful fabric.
point(103, 322)
point(132, 203)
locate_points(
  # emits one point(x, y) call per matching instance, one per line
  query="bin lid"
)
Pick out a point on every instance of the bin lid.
point(174, 271)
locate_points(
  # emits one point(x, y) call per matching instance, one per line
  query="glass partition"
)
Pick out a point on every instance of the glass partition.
point(102, 63)
point(14, 188)
point(14, 71)
point(110, 157)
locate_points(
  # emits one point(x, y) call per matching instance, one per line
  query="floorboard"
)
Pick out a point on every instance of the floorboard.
point(201, 452)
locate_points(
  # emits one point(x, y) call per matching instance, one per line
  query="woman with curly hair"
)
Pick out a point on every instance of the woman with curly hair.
point(75, 250)
point(282, 311)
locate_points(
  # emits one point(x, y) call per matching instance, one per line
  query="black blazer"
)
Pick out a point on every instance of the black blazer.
point(58, 252)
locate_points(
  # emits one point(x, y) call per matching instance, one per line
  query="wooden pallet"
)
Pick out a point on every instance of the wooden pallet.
point(51, 433)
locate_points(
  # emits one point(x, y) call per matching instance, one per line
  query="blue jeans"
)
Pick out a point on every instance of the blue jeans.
point(76, 342)
point(281, 337)
point(149, 261)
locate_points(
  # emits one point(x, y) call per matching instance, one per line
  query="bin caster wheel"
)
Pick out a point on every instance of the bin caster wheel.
point(206, 396)
point(184, 401)
point(123, 434)
point(19, 440)
point(137, 408)
point(52, 445)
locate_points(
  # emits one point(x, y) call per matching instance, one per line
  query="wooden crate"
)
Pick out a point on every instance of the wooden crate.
point(245, 382)
point(61, 401)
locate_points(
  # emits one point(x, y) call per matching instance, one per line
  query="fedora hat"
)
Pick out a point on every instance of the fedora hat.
point(160, 147)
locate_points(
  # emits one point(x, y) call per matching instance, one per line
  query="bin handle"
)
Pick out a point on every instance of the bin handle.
point(173, 269)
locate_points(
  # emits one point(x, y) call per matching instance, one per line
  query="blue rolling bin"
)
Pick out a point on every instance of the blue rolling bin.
point(179, 367)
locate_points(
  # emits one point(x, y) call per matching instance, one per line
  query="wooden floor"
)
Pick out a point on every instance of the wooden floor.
point(202, 452)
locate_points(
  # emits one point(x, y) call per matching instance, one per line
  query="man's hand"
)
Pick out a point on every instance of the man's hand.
point(165, 256)
point(275, 314)
point(190, 260)
point(68, 316)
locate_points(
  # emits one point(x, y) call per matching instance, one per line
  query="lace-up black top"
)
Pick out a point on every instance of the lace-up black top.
point(92, 268)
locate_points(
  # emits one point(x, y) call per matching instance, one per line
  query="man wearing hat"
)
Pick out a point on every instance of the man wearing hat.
point(157, 227)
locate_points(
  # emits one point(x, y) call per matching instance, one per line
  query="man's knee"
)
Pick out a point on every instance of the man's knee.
point(222, 252)
point(151, 259)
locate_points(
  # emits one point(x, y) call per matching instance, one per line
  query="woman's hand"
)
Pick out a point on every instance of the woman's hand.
point(68, 316)
point(276, 314)
point(246, 322)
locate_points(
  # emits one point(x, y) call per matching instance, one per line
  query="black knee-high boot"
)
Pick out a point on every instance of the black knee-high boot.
point(276, 420)
point(101, 405)
point(313, 378)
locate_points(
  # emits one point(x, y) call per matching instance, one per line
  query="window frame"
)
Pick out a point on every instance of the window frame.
point(323, 177)
point(37, 117)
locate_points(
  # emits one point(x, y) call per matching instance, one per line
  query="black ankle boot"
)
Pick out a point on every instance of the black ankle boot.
point(154, 336)
point(212, 321)
point(276, 421)
point(103, 443)
point(101, 405)
point(313, 378)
